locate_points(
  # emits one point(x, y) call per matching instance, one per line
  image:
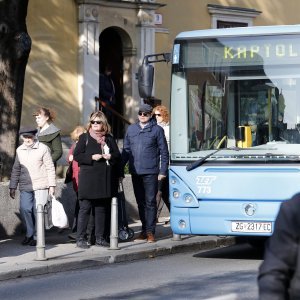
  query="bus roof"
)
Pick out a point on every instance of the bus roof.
point(240, 31)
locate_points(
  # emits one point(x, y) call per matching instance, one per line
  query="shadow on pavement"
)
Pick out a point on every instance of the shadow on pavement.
point(240, 251)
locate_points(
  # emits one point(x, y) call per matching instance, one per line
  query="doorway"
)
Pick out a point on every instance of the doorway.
point(111, 53)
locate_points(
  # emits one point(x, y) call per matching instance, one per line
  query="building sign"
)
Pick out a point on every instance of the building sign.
point(157, 19)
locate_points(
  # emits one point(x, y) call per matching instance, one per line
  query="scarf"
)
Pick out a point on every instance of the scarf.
point(163, 124)
point(98, 136)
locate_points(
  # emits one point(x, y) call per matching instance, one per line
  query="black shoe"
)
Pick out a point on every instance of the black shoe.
point(91, 240)
point(27, 240)
point(82, 244)
point(32, 243)
point(101, 243)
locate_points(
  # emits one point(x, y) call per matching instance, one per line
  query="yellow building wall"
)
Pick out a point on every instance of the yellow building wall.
point(179, 15)
point(52, 70)
point(51, 73)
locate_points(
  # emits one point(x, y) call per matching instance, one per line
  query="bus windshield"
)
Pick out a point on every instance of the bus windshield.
point(235, 92)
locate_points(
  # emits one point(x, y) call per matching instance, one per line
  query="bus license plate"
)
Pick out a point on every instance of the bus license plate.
point(256, 227)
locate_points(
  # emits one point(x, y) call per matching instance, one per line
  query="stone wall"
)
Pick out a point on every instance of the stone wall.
point(10, 219)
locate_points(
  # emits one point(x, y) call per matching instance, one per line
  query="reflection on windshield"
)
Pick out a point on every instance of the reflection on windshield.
point(223, 102)
point(240, 91)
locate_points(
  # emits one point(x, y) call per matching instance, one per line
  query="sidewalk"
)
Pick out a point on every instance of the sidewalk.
point(62, 255)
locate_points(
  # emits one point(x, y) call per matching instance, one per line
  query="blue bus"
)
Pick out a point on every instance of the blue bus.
point(235, 129)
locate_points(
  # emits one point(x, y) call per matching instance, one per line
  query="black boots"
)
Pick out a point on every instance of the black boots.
point(82, 243)
point(101, 243)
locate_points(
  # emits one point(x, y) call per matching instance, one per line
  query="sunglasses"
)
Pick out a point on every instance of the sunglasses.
point(157, 115)
point(144, 114)
point(96, 122)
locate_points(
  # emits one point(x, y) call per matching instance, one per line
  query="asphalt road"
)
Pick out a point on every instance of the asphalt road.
point(222, 274)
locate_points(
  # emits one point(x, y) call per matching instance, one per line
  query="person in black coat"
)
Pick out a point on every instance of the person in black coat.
point(107, 87)
point(279, 274)
point(107, 93)
point(98, 156)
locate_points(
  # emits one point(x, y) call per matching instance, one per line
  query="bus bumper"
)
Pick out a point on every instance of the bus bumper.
point(225, 218)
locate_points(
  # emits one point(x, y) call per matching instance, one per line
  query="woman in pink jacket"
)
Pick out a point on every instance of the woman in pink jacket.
point(34, 172)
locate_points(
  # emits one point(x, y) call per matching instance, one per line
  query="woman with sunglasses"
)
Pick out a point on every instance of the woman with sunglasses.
point(98, 156)
point(162, 118)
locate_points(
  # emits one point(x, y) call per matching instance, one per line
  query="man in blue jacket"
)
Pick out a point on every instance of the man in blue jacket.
point(146, 149)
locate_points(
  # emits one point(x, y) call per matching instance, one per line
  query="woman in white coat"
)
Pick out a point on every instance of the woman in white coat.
point(161, 115)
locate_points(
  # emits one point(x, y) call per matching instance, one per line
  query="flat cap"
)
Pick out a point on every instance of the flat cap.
point(28, 130)
point(145, 108)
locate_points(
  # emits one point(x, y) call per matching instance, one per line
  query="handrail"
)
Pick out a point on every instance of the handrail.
point(114, 112)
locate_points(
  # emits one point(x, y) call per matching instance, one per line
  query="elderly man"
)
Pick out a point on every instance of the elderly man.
point(146, 149)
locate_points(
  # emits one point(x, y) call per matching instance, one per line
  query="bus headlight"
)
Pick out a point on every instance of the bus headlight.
point(173, 180)
point(188, 198)
point(176, 194)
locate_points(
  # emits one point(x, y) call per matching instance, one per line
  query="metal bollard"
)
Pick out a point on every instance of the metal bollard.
point(176, 237)
point(40, 236)
point(114, 225)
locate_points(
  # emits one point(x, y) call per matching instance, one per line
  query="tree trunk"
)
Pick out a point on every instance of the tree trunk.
point(15, 45)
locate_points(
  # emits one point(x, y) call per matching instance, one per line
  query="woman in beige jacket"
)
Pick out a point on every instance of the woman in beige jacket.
point(34, 172)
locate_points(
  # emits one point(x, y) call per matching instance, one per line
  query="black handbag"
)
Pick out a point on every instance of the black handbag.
point(69, 173)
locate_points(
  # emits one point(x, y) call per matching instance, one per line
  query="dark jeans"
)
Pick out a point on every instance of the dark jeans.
point(91, 224)
point(75, 220)
point(101, 208)
point(163, 194)
point(145, 189)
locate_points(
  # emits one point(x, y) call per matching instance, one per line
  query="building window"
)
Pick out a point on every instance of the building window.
point(230, 16)
point(227, 24)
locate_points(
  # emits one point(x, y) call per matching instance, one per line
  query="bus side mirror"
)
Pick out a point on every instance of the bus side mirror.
point(145, 80)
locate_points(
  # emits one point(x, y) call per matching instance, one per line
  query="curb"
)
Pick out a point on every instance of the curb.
point(63, 265)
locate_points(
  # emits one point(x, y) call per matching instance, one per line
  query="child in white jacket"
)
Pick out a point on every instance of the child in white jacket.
point(34, 172)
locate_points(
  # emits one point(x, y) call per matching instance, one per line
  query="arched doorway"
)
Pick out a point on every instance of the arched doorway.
point(112, 42)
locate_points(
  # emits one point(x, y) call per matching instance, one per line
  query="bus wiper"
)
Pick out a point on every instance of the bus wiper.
point(200, 161)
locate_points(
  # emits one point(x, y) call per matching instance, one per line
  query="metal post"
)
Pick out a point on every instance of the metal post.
point(176, 237)
point(40, 237)
point(114, 225)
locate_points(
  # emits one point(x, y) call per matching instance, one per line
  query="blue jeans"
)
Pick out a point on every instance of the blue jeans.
point(28, 203)
point(145, 189)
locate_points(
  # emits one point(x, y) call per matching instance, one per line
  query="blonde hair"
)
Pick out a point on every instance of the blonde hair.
point(102, 118)
point(163, 111)
point(78, 130)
